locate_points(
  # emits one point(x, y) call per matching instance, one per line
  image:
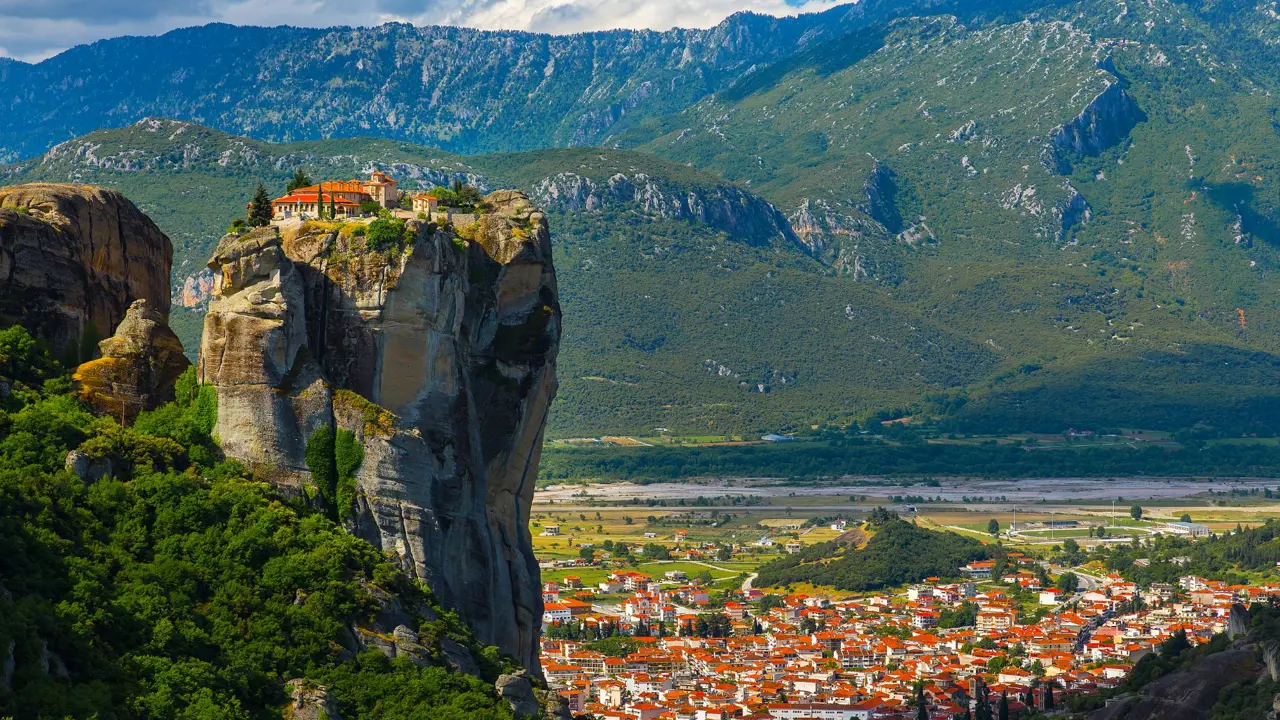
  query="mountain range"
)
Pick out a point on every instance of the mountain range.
point(1063, 214)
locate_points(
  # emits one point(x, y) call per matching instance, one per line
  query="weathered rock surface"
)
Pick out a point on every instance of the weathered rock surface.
point(438, 358)
point(722, 206)
point(87, 468)
point(138, 367)
point(1188, 694)
point(310, 702)
point(73, 258)
point(1105, 122)
point(528, 699)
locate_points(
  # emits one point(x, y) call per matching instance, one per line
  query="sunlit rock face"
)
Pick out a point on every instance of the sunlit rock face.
point(437, 354)
point(73, 258)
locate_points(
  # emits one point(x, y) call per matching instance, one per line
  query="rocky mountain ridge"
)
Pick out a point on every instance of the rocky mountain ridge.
point(456, 88)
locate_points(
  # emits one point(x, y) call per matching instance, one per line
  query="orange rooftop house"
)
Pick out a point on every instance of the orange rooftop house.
point(344, 196)
point(425, 204)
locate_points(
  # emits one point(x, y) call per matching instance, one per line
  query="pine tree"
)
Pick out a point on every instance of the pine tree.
point(300, 180)
point(260, 208)
point(1004, 706)
point(1048, 696)
point(922, 707)
point(984, 709)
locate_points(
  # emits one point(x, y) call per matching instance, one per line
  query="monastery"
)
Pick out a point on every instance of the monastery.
point(345, 196)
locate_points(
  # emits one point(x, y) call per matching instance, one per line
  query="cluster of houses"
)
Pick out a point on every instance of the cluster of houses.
point(863, 658)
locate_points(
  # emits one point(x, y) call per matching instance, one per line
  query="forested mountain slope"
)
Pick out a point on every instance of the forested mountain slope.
point(182, 587)
point(1035, 217)
point(1100, 205)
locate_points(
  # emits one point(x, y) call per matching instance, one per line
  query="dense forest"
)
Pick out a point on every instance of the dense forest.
point(898, 553)
point(836, 458)
point(176, 586)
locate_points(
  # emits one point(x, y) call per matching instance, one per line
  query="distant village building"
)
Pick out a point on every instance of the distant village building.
point(980, 569)
point(550, 530)
point(994, 620)
point(1190, 529)
point(1050, 596)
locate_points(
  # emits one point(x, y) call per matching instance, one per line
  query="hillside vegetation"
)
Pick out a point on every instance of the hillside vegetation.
point(179, 587)
point(898, 553)
point(1000, 218)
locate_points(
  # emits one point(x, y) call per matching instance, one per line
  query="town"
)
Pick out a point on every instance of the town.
point(667, 652)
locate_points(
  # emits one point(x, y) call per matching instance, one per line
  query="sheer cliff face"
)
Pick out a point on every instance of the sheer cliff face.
point(73, 258)
point(438, 358)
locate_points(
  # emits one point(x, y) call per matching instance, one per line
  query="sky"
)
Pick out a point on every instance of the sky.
point(33, 30)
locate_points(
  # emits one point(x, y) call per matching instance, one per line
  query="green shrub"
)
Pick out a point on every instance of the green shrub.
point(385, 234)
point(348, 455)
point(323, 465)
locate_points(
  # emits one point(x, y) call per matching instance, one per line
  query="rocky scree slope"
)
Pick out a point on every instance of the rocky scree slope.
point(408, 386)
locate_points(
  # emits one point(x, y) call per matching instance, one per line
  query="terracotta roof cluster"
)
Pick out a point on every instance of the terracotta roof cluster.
point(867, 654)
point(303, 197)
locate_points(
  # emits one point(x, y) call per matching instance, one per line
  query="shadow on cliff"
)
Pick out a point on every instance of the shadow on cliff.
point(825, 59)
point(1154, 390)
point(1241, 198)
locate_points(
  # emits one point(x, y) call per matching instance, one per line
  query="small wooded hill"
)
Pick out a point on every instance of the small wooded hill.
point(180, 587)
point(898, 553)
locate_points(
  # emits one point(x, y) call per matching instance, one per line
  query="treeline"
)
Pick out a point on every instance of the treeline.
point(819, 459)
point(177, 586)
point(1222, 557)
point(898, 553)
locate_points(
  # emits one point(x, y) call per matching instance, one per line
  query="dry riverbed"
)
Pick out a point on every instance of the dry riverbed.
point(950, 489)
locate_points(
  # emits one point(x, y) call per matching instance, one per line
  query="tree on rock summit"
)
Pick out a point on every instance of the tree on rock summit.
point(260, 208)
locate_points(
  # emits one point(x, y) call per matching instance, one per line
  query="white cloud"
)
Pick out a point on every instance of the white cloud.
point(33, 31)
